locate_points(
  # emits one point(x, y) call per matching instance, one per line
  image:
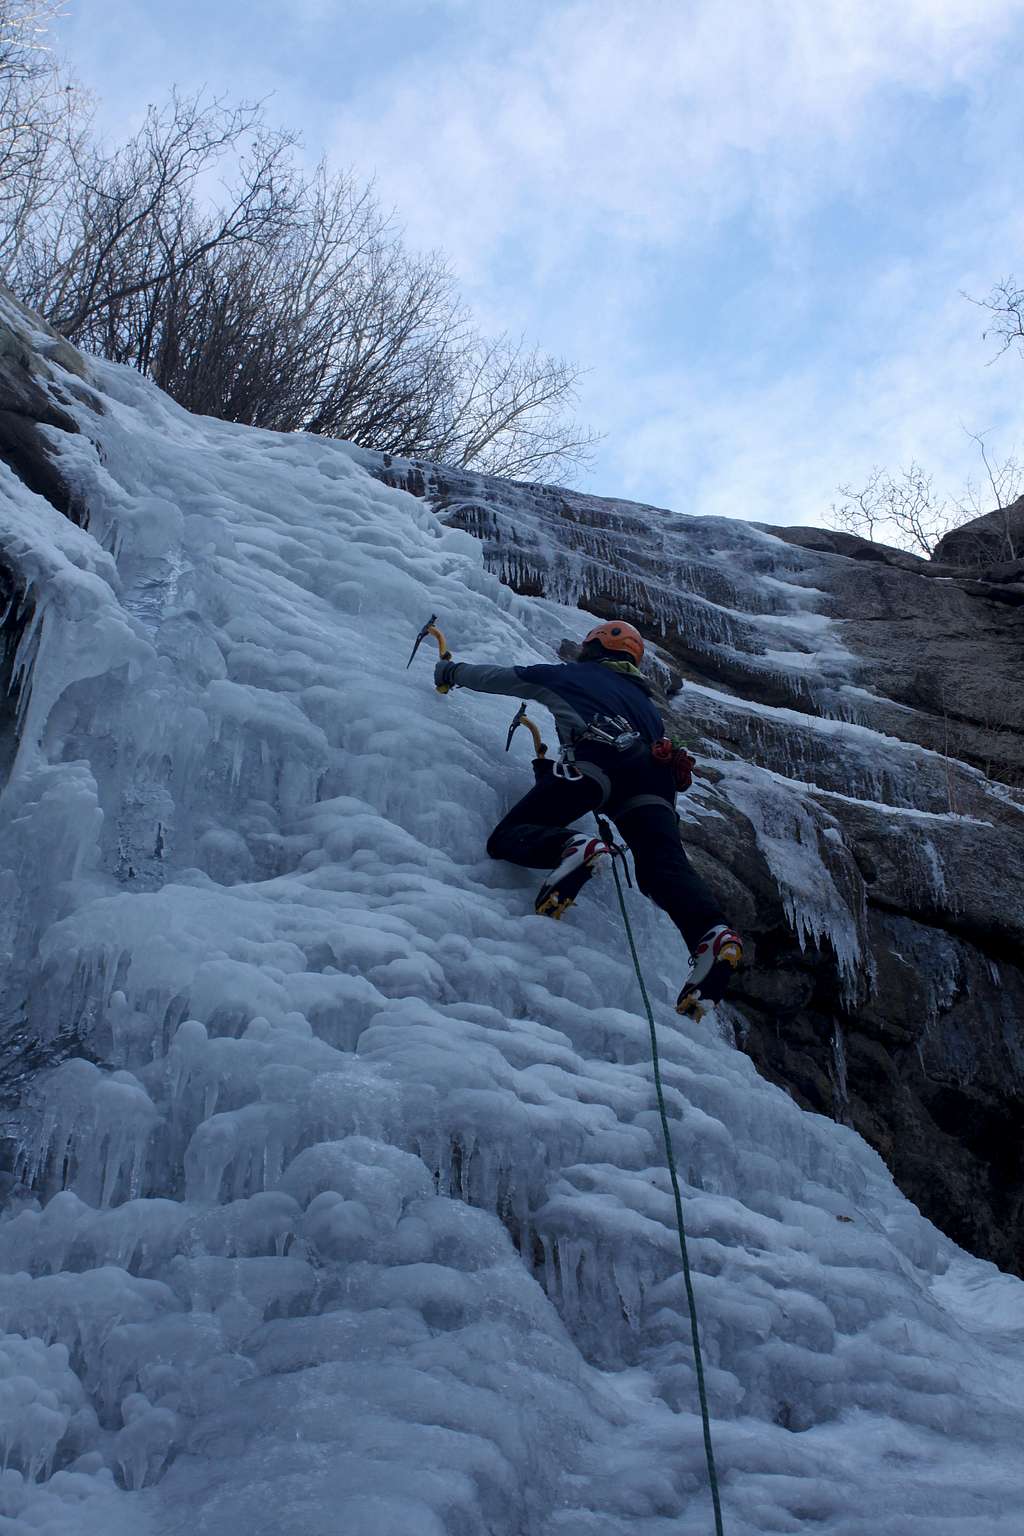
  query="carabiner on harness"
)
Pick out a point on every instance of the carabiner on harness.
point(565, 765)
point(611, 731)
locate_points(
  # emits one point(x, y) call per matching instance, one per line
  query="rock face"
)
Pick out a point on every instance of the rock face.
point(860, 720)
point(943, 642)
point(989, 543)
point(30, 402)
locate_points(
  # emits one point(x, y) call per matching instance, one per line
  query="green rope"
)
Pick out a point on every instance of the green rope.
point(670, 1159)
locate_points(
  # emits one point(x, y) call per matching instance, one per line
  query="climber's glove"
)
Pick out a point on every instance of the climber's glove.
point(444, 674)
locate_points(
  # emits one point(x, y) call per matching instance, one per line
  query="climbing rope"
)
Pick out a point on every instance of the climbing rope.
point(671, 1161)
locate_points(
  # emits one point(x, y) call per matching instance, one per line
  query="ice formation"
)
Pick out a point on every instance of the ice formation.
point(345, 1208)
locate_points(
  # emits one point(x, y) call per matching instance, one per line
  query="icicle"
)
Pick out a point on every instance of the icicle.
point(839, 1079)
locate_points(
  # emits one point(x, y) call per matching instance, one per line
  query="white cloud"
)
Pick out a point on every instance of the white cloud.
point(776, 448)
point(647, 119)
point(587, 166)
point(609, 137)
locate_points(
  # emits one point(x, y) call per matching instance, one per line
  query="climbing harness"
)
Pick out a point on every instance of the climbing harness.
point(608, 730)
point(709, 1453)
point(430, 628)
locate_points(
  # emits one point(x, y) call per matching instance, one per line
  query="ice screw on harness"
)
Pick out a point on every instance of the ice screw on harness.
point(430, 628)
point(678, 1199)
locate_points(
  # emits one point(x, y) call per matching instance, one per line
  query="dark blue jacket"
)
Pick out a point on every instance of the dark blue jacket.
point(576, 692)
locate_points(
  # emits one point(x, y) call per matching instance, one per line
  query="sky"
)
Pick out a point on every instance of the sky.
point(751, 222)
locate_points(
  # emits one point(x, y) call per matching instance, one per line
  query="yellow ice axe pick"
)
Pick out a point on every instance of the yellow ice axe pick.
point(430, 628)
point(522, 718)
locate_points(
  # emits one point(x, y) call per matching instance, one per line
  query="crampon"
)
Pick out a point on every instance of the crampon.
point(716, 960)
point(580, 858)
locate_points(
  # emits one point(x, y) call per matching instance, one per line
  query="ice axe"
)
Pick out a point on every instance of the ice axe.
point(430, 628)
point(522, 718)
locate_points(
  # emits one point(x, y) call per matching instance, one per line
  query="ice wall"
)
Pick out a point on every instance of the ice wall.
point(345, 1207)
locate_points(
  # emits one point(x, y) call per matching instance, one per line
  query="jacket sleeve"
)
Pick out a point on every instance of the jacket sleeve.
point(523, 683)
point(482, 679)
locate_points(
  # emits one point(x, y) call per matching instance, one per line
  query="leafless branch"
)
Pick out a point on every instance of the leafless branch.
point(904, 506)
point(284, 299)
point(1005, 303)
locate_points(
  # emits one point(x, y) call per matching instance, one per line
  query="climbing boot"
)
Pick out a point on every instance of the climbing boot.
point(580, 857)
point(713, 965)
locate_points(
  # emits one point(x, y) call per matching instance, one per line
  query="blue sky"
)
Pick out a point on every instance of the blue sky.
point(751, 221)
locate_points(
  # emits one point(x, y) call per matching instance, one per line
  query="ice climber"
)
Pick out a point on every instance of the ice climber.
point(608, 727)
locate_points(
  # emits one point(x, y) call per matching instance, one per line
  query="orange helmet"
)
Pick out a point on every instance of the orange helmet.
point(616, 635)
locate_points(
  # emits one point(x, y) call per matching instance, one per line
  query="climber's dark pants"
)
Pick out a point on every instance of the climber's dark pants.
point(536, 830)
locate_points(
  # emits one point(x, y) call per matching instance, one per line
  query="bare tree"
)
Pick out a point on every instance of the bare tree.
point(322, 323)
point(130, 225)
point(1005, 303)
point(42, 115)
point(906, 510)
point(509, 415)
point(336, 330)
point(1004, 484)
point(903, 505)
point(284, 300)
